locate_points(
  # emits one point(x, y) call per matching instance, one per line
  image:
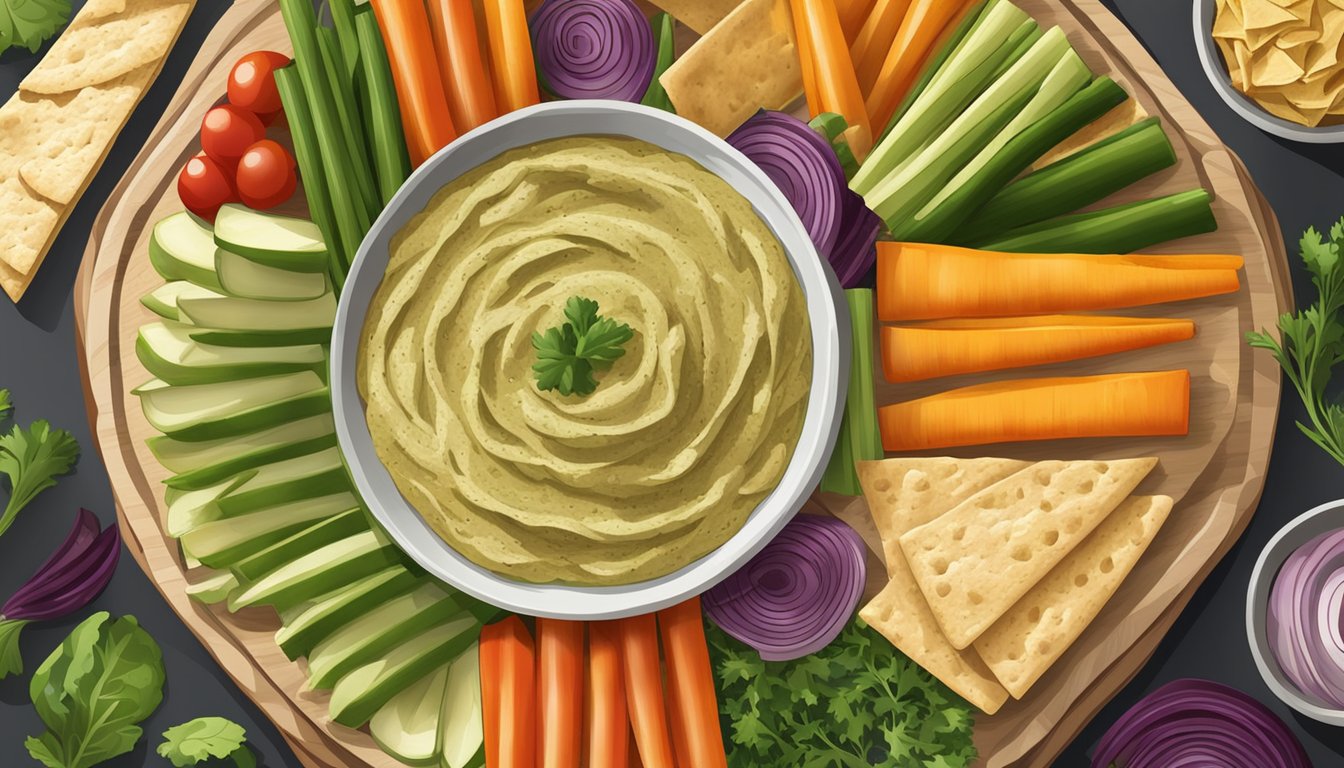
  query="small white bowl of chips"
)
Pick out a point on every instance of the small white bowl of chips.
point(1277, 63)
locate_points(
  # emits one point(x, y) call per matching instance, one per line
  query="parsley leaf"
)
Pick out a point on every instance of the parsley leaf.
point(5, 404)
point(30, 23)
point(32, 459)
point(1313, 340)
point(857, 702)
point(206, 738)
point(567, 355)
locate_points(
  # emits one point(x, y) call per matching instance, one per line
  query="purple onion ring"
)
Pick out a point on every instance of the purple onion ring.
point(593, 49)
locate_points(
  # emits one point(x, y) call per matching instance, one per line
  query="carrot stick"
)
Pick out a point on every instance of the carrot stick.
point(1115, 405)
point(853, 13)
point(644, 690)
point(470, 97)
point(559, 692)
point(511, 62)
point(607, 733)
point(871, 44)
point(953, 347)
point(835, 88)
point(410, 50)
point(918, 281)
point(922, 27)
point(690, 682)
point(508, 694)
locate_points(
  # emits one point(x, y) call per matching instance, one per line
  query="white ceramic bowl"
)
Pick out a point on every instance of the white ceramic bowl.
point(830, 355)
point(1212, 60)
point(1327, 517)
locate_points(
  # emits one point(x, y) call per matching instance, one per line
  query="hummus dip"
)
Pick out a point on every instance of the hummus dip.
point(686, 433)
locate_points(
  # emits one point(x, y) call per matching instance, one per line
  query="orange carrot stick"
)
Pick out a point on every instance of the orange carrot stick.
point(1115, 405)
point(922, 27)
point(873, 40)
point(690, 683)
point(425, 118)
point(644, 690)
point(954, 347)
point(832, 73)
point(511, 62)
point(559, 692)
point(508, 694)
point(917, 281)
point(852, 15)
point(607, 732)
point(471, 100)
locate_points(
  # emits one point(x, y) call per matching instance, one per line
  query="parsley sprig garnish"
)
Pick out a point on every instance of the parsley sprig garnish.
point(1313, 341)
point(567, 355)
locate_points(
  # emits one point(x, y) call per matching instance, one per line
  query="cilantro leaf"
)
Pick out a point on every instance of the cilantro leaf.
point(5, 404)
point(206, 738)
point(1312, 343)
point(32, 459)
point(30, 23)
point(568, 355)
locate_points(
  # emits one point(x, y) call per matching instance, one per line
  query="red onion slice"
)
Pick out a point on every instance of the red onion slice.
point(593, 49)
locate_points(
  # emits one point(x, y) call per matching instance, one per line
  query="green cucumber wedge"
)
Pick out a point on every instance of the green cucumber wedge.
point(168, 351)
point(276, 241)
point(214, 589)
point(247, 279)
point(223, 455)
point(211, 411)
point(360, 694)
point(361, 641)
point(310, 319)
point(220, 543)
point(199, 478)
point(188, 510)
point(181, 248)
point(296, 479)
point(461, 725)
point(320, 571)
point(317, 534)
point(318, 621)
point(407, 726)
point(162, 301)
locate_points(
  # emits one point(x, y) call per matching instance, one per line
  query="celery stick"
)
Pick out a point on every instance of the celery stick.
point(315, 187)
point(1122, 229)
point(343, 19)
point(1076, 181)
point(964, 76)
point(351, 122)
point(386, 140)
point(859, 438)
point(969, 23)
point(900, 196)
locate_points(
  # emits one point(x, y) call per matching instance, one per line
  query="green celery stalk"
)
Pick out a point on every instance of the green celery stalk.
point(391, 163)
point(315, 187)
point(1079, 180)
point(900, 196)
point(969, 23)
point(958, 83)
point(343, 19)
point(352, 125)
point(664, 31)
point(940, 223)
point(832, 125)
point(859, 438)
point(1122, 229)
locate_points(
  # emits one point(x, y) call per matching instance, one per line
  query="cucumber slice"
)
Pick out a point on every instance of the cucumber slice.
point(407, 726)
point(162, 301)
point(184, 458)
point(220, 543)
point(302, 477)
point(277, 241)
point(214, 589)
point(365, 690)
point(181, 248)
point(212, 474)
point(230, 313)
point(316, 622)
point(168, 351)
point(314, 535)
point(247, 279)
point(192, 509)
point(461, 726)
point(210, 411)
point(321, 570)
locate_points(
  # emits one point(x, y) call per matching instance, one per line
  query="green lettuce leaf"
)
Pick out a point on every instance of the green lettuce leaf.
point(30, 23)
point(206, 738)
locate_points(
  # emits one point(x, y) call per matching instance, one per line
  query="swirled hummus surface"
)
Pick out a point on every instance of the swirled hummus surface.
point(686, 432)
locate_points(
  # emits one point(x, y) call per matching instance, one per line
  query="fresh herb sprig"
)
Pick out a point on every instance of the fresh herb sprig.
point(567, 355)
point(32, 459)
point(207, 739)
point(1313, 341)
point(30, 23)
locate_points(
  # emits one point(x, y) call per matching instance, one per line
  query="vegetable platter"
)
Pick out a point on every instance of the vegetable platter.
point(1215, 474)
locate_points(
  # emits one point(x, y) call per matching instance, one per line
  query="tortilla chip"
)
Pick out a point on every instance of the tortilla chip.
point(1263, 14)
point(29, 224)
point(1274, 68)
point(748, 62)
point(976, 561)
point(699, 15)
point(93, 53)
point(1031, 637)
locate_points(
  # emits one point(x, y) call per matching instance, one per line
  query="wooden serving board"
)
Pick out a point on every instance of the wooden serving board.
point(1217, 473)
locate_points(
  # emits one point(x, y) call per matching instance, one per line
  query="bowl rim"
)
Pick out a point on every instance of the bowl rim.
point(1246, 108)
point(829, 324)
point(1283, 543)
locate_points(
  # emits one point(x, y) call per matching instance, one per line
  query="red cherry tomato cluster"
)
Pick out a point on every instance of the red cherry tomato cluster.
point(239, 164)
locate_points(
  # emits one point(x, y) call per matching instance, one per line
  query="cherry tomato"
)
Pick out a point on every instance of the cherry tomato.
point(252, 82)
point(204, 186)
point(266, 175)
point(227, 131)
